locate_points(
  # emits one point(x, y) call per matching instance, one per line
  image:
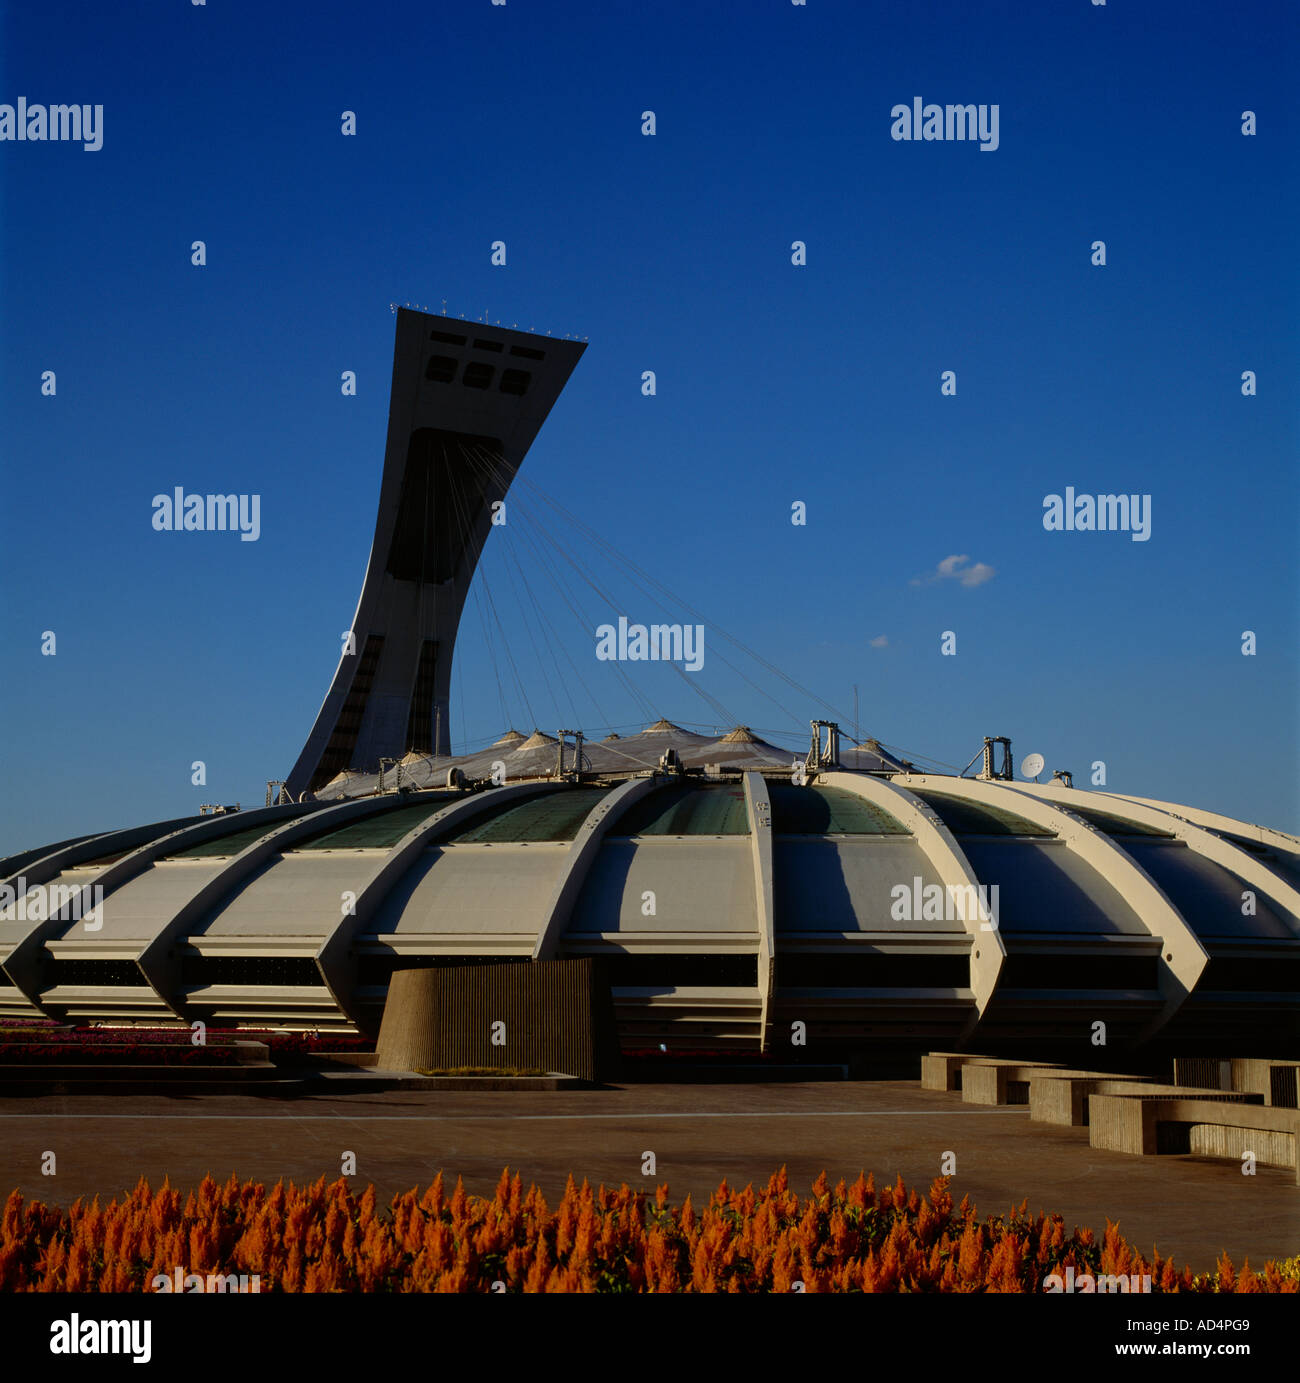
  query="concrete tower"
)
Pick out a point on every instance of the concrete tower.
point(467, 401)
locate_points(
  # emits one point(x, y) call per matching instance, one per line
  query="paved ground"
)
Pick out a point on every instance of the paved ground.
point(1189, 1207)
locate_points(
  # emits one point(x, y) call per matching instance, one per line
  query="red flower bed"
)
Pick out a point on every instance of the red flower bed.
point(114, 1054)
point(40, 1041)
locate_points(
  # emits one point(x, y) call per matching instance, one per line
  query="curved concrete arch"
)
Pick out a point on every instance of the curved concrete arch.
point(331, 959)
point(22, 964)
point(581, 856)
point(1196, 837)
point(1182, 957)
point(12, 865)
point(1199, 816)
point(759, 805)
point(157, 963)
point(937, 842)
point(45, 867)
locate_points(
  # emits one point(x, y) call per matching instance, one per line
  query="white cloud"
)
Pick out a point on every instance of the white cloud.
point(955, 568)
point(880, 641)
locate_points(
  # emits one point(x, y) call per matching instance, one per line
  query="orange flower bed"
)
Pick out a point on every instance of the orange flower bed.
point(323, 1238)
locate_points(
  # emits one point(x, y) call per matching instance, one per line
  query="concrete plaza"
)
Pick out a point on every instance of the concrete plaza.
point(1189, 1207)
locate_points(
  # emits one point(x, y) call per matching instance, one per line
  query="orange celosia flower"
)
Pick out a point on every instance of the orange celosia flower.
point(323, 1238)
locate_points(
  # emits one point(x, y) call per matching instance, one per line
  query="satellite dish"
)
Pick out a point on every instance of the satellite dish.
point(1031, 765)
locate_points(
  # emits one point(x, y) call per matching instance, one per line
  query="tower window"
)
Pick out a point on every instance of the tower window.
point(515, 381)
point(477, 375)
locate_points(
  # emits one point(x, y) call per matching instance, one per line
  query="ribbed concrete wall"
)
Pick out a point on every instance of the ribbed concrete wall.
point(1206, 1072)
point(557, 1015)
point(1213, 1127)
point(987, 1082)
point(1275, 1080)
point(941, 1071)
point(1272, 1148)
point(1118, 1125)
point(1060, 1098)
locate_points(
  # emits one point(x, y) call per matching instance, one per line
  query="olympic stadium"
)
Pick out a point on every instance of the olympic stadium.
point(731, 891)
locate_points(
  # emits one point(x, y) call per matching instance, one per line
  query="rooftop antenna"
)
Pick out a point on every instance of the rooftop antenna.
point(992, 769)
point(575, 774)
point(1031, 766)
point(828, 757)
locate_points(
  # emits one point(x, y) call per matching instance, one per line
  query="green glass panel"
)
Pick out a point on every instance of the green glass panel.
point(965, 818)
point(826, 811)
point(687, 811)
point(555, 816)
point(225, 845)
point(1117, 825)
point(382, 831)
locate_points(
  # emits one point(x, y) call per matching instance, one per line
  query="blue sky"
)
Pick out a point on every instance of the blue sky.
point(776, 383)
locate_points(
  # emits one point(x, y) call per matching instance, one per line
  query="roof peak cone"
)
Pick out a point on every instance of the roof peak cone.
point(742, 734)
